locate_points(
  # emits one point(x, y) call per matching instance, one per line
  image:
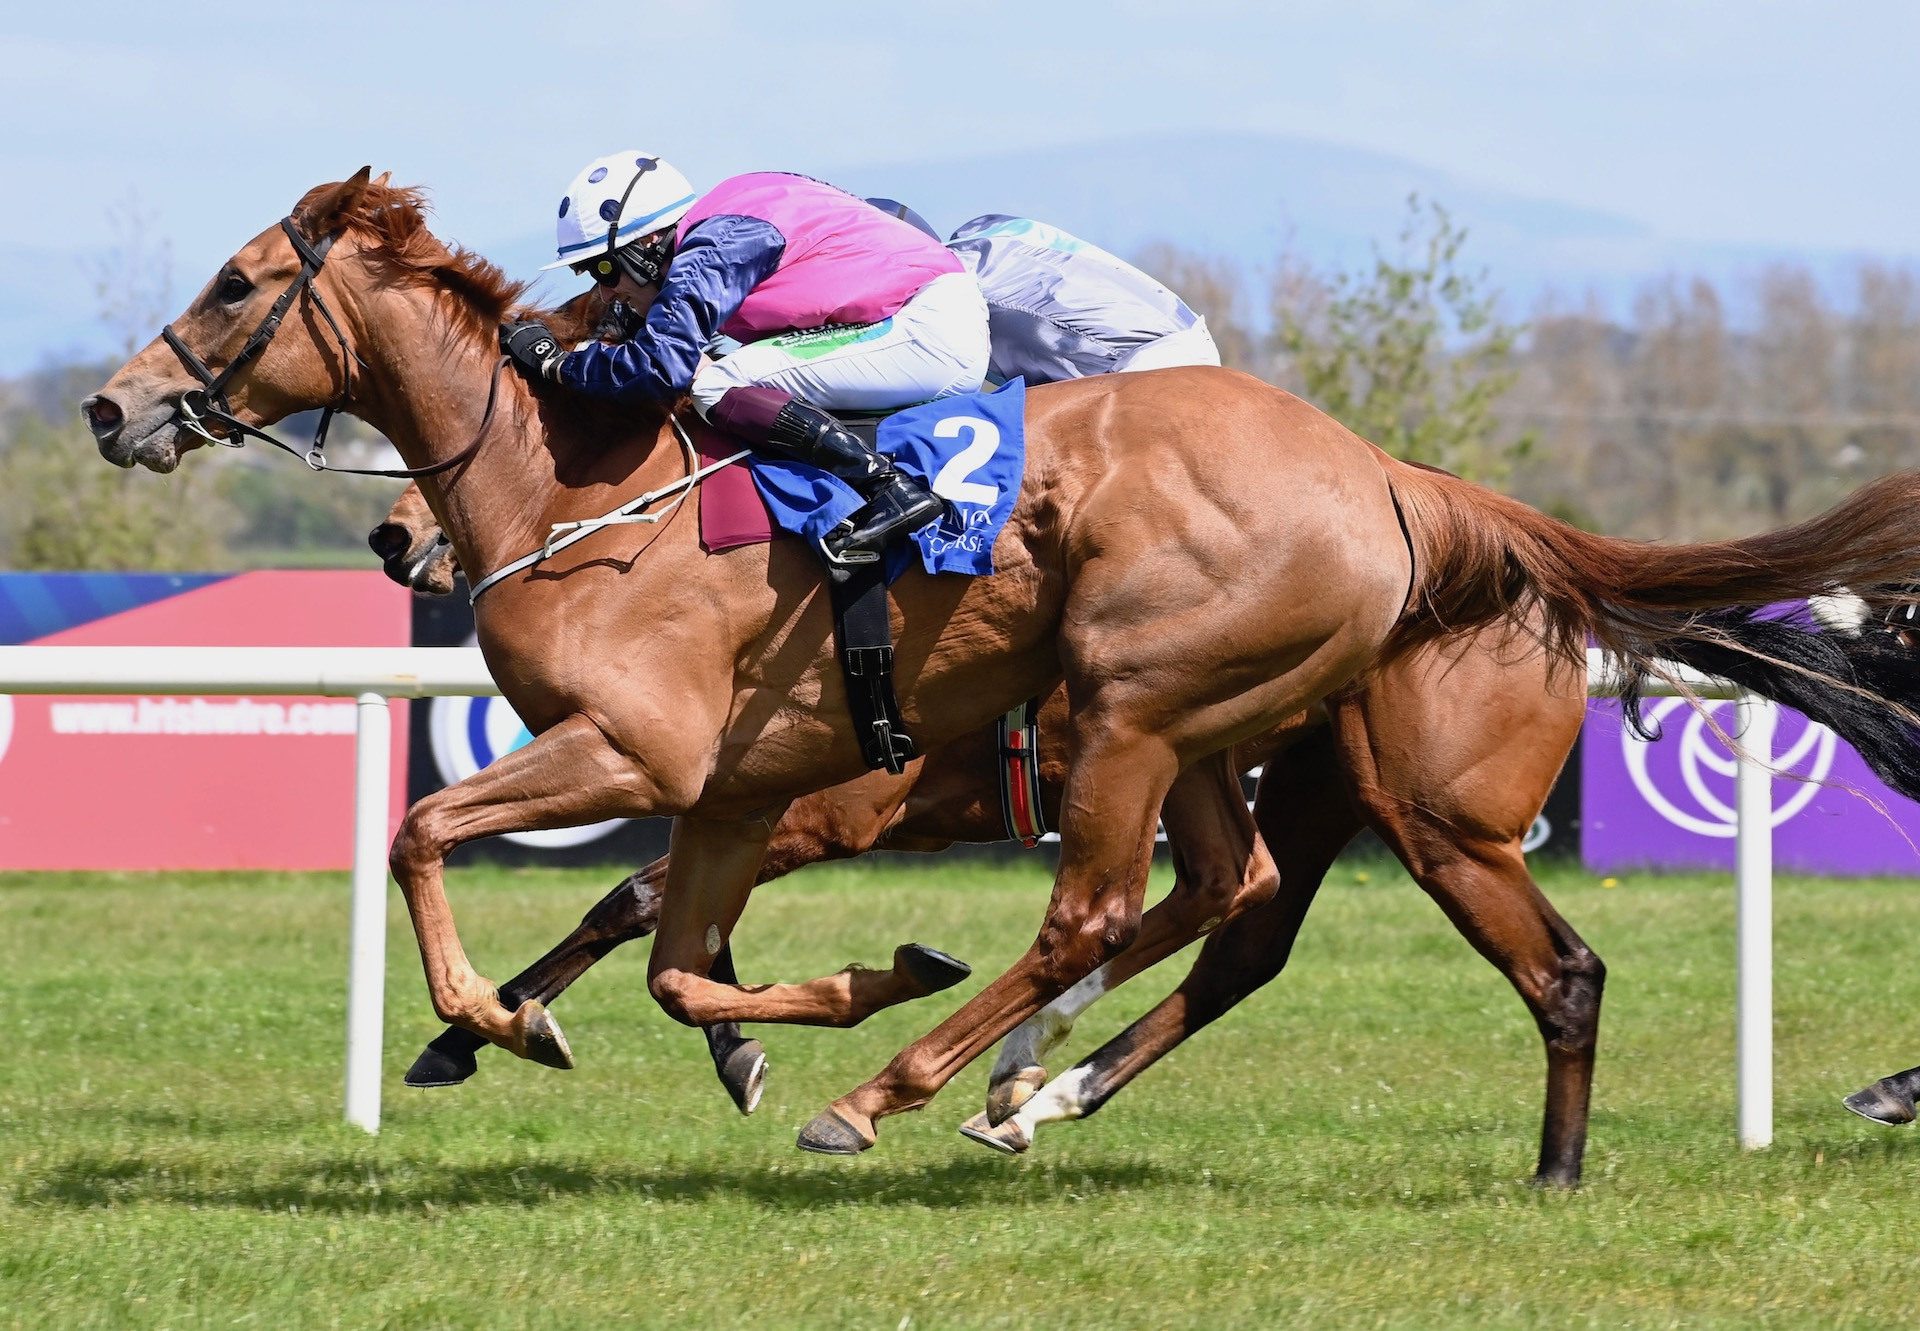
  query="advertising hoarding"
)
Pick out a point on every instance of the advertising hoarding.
point(187, 783)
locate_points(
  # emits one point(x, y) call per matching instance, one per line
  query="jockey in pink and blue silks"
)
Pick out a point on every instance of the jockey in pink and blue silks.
point(836, 305)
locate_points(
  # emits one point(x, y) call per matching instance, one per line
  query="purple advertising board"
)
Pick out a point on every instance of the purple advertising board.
point(1670, 803)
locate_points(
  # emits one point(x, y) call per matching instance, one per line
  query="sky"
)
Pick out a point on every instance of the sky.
point(1780, 124)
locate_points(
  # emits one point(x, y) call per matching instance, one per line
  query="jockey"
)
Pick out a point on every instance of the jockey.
point(836, 305)
point(1060, 308)
point(1063, 309)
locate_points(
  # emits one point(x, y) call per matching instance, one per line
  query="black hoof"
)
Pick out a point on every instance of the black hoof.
point(545, 1043)
point(1551, 1181)
point(744, 1073)
point(830, 1134)
point(929, 968)
point(440, 1066)
point(1882, 1103)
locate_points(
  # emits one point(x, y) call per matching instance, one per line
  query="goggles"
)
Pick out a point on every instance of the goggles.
point(603, 269)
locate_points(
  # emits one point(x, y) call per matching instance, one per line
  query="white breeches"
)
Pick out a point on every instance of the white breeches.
point(933, 346)
point(1189, 346)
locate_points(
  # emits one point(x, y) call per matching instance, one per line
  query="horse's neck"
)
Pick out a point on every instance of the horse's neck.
point(433, 384)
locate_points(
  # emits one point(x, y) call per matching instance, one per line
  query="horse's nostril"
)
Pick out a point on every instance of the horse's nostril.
point(103, 415)
point(389, 540)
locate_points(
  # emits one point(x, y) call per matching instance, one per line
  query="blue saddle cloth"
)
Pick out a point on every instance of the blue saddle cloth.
point(971, 450)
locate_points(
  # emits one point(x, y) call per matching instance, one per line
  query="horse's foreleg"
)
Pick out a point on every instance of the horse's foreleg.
point(1889, 1100)
point(568, 775)
point(1221, 870)
point(715, 864)
point(1305, 818)
point(1112, 799)
point(628, 912)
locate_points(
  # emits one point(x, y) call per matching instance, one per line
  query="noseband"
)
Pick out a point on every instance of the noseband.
point(209, 402)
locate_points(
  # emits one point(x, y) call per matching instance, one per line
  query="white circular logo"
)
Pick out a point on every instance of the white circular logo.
point(469, 733)
point(6, 723)
point(1689, 778)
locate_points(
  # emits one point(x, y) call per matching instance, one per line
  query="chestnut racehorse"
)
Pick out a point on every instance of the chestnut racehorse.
point(1447, 754)
point(1185, 605)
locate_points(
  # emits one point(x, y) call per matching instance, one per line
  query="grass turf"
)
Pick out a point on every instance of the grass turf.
point(1350, 1148)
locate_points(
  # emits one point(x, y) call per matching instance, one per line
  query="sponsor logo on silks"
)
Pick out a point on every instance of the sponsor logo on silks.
point(6, 723)
point(1688, 777)
point(818, 342)
point(1039, 234)
point(469, 733)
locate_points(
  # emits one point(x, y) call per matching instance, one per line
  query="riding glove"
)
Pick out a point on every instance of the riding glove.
point(533, 349)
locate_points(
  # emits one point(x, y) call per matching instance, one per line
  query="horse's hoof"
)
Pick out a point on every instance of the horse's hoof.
point(1552, 1181)
point(1006, 1096)
point(1008, 1138)
point(1881, 1104)
point(744, 1074)
point(541, 1039)
point(440, 1067)
point(832, 1134)
point(929, 968)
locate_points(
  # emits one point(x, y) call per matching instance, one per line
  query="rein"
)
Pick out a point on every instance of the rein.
point(209, 402)
point(564, 534)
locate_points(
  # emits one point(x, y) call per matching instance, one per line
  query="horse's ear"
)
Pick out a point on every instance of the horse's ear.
point(384, 180)
point(321, 211)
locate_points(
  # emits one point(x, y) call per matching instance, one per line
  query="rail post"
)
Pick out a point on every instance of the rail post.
point(367, 966)
point(1753, 885)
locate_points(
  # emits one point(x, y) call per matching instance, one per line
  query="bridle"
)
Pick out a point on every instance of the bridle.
point(197, 406)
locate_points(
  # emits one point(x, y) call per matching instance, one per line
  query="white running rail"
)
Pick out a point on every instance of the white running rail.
point(372, 675)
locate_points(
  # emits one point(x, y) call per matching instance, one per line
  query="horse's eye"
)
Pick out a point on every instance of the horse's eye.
point(234, 288)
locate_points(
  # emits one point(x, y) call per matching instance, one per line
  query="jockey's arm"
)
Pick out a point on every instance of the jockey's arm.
point(717, 263)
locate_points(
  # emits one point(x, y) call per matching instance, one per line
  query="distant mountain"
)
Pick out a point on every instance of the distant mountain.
point(1242, 195)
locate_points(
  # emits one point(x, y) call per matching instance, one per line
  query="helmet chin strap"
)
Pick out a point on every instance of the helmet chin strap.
point(646, 258)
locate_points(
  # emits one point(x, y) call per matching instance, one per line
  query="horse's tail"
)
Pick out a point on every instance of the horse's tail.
point(1482, 558)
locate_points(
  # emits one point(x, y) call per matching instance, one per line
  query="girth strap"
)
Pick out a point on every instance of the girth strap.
point(1019, 767)
point(864, 636)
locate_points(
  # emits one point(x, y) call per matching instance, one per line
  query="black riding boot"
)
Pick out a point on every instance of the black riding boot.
point(896, 503)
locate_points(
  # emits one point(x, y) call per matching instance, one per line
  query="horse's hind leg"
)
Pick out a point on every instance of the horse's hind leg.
point(1115, 788)
point(1219, 874)
point(1305, 817)
point(1488, 736)
point(568, 775)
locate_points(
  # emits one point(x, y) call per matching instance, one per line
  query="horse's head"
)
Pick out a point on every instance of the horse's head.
point(413, 550)
point(257, 344)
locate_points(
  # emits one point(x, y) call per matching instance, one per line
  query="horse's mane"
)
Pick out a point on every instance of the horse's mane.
point(393, 220)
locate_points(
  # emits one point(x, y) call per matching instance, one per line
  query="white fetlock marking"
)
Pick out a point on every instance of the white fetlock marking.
point(1064, 1098)
point(1044, 1032)
point(1840, 611)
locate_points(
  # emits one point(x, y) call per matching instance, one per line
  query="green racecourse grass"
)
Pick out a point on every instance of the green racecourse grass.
point(1350, 1148)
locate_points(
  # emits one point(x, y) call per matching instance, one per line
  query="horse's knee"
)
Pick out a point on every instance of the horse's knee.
point(1073, 948)
point(673, 991)
point(420, 843)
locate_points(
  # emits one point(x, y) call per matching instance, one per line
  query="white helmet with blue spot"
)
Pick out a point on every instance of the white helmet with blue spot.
point(630, 194)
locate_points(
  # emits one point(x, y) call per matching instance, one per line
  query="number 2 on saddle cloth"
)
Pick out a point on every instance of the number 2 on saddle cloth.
point(972, 450)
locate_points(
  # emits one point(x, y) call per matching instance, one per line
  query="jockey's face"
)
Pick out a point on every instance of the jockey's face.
point(637, 294)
